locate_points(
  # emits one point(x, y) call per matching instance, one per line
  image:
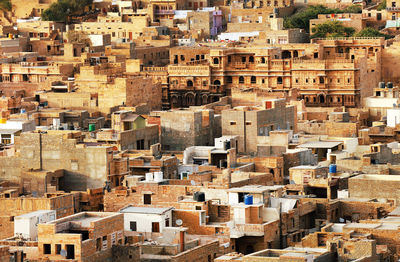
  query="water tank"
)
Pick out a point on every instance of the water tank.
point(389, 85)
point(158, 176)
point(3, 120)
point(332, 169)
point(199, 196)
point(149, 177)
point(23, 110)
point(92, 127)
point(381, 84)
point(248, 199)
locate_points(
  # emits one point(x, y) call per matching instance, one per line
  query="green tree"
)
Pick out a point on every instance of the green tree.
point(353, 9)
point(60, 10)
point(332, 29)
point(302, 18)
point(5, 5)
point(382, 5)
point(371, 32)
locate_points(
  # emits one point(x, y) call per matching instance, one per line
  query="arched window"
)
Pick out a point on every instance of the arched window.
point(216, 61)
point(241, 80)
point(279, 80)
point(217, 82)
point(295, 53)
point(229, 79)
point(321, 80)
point(189, 83)
point(263, 60)
point(307, 100)
point(253, 80)
point(251, 59)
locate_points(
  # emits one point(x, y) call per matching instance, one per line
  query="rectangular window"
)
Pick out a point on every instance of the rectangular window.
point(232, 123)
point(58, 249)
point(105, 243)
point(98, 244)
point(133, 226)
point(6, 139)
point(47, 249)
point(70, 251)
point(155, 227)
point(147, 199)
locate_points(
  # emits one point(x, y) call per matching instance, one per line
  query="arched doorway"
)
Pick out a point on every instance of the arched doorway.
point(321, 99)
point(217, 82)
point(286, 54)
point(204, 99)
point(175, 102)
point(190, 100)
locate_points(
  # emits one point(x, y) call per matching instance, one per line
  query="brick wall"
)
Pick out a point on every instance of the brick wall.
point(204, 253)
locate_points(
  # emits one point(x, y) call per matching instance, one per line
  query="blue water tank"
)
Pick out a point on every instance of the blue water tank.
point(332, 169)
point(23, 110)
point(248, 199)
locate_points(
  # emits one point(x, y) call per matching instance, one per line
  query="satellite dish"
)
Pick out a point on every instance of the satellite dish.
point(179, 222)
point(63, 253)
point(193, 182)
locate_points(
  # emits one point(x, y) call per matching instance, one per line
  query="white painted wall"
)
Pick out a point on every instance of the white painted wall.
point(239, 215)
point(393, 117)
point(27, 224)
point(144, 221)
point(233, 198)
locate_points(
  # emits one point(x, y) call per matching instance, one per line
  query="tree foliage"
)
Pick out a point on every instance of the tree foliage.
point(371, 32)
point(302, 18)
point(382, 5)
point(60, 10)
point(5, 5)
point(332, 29)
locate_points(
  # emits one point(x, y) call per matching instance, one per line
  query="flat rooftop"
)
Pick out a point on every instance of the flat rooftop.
point(255, 188)
point(146, 210)
point(83, 219)
point(35, 213)
point(320, 144)
point(307, 167)
point(377, 177)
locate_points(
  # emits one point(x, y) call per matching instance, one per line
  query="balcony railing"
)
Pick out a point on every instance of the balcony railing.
point(393, 9)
